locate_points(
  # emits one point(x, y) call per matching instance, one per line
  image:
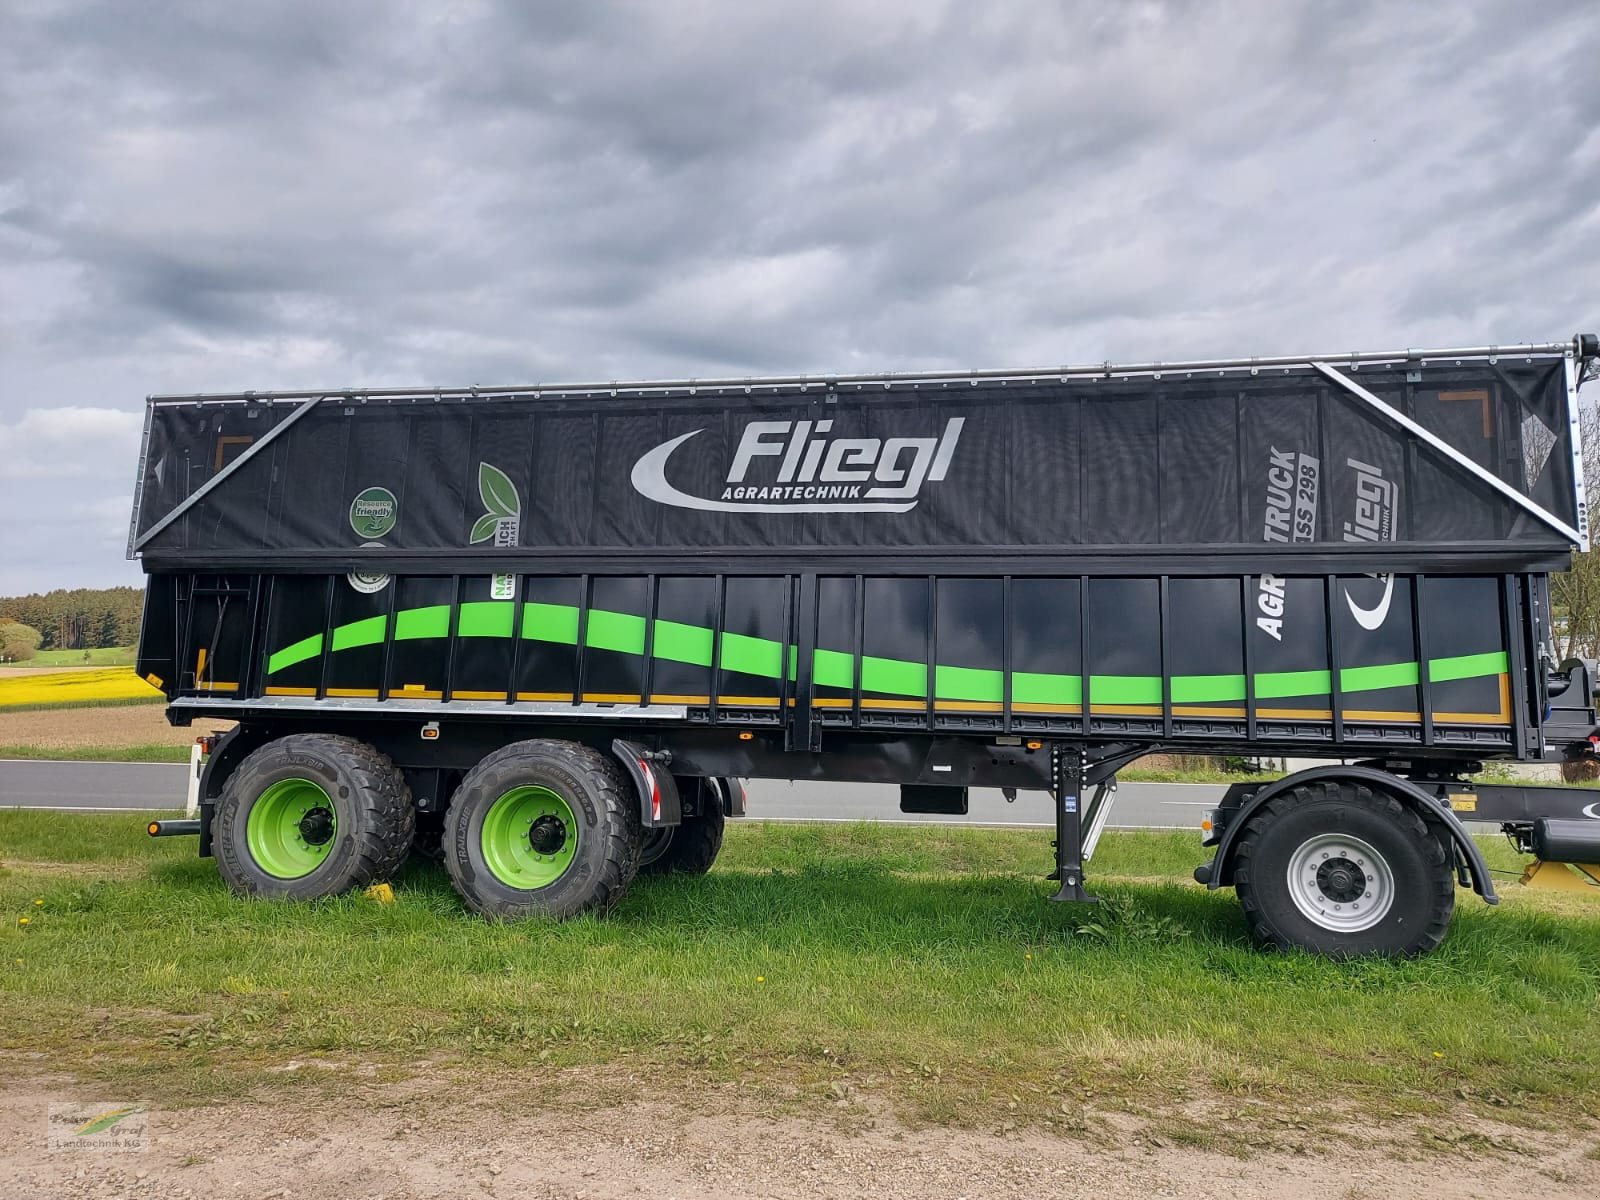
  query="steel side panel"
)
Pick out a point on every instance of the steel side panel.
point(931, 654)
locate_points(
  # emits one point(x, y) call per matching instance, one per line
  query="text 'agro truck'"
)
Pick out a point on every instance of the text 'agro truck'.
point(554, 627)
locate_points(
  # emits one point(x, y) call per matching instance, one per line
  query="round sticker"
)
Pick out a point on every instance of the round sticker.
point(368, 582)
point(374, 512)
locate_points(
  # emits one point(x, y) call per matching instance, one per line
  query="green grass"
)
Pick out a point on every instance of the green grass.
point(923, 965)
point(174, 754)
point(108, 656)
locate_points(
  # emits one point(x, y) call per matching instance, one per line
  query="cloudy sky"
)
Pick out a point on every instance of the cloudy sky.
point(202, 196)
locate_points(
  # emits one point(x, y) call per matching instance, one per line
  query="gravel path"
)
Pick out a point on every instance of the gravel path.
point(433, 1138)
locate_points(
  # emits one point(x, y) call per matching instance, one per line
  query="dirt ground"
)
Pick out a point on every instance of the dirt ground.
point(118, 725)
point(432, 1138)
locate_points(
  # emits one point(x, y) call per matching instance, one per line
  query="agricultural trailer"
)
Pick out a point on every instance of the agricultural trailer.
point(546, 631)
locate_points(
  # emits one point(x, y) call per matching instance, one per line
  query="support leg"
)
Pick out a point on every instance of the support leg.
point(1066, 769)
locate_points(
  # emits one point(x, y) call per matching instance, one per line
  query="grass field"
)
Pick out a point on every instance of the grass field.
point(920, 965)
point(97, 753)
point(106, 656)
point(76, 689)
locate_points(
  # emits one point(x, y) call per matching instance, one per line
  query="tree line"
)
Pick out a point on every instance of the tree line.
point(1575, 594)
point(71, 619)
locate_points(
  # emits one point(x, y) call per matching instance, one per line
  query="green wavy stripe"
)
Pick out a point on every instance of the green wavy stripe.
point(627, 633)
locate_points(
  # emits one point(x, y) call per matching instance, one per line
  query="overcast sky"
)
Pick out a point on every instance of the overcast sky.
point(213, 196)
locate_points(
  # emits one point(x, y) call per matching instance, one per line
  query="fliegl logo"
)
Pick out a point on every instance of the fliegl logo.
point(503, 520)
point(815, 472)
point(1373, 522)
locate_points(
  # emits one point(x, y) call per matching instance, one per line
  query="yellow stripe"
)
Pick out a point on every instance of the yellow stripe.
point(291, 691)
point(465, 695)
point(354, 693)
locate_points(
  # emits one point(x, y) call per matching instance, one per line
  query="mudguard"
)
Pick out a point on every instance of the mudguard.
point(734, 799)
point(660, 806)
point(1219, 871)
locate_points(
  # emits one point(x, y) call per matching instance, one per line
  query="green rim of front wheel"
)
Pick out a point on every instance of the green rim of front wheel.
point(291, 828)
point(529, 838)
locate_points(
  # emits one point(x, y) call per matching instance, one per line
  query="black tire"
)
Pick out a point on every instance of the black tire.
point(686, 849)
point(605, 810)
point(1355, 846)
point(372, 815)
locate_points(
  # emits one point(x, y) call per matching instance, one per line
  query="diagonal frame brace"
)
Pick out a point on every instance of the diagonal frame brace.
point(1450, 452)
point(211, 484)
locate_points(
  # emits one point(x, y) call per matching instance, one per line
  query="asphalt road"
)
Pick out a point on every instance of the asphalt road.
point(101, 787)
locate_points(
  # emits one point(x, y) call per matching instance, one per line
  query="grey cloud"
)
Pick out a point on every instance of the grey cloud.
point(196, 196)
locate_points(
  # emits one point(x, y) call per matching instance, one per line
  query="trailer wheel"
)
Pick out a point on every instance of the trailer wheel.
point(542, 828)
point(688, 849)
point(312, 815)
point(1344, 871)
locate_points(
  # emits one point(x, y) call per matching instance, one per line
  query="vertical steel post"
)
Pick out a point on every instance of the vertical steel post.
point(1066, 785)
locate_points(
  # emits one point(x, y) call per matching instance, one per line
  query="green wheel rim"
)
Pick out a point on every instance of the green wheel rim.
point(291, 828)
point(529, 838)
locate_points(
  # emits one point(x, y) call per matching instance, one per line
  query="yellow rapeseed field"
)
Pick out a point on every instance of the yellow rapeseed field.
point(114, 685)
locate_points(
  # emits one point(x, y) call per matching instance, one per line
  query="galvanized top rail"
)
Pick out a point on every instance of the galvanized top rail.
point(1582, 346)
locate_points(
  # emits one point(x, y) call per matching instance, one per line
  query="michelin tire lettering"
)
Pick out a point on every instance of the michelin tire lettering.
point(817, 474)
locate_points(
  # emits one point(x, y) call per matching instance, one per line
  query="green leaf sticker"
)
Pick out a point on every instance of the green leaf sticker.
point(499, 494)
point(484, 529)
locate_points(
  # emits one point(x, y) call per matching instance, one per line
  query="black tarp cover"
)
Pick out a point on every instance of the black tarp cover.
point(1181, 462)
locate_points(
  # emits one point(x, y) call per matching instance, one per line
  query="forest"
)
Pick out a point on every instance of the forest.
point(76, 618)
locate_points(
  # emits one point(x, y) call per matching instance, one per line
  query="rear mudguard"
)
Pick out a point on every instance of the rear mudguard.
point(1219, 871)
point(660, 806)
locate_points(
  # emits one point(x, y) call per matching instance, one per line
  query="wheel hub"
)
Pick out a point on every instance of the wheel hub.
point(1341, 880)
point(1340, 883)
point(529, 837)
point(547, 835)
point(316, 827)
point(291, 828)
